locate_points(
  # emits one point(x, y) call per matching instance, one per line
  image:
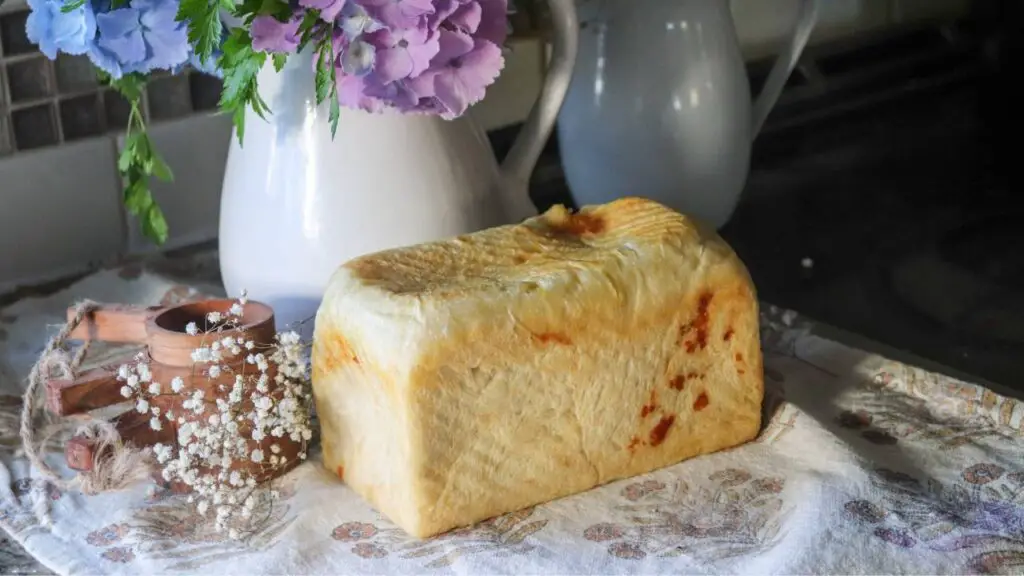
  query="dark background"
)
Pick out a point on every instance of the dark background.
point(892, 163)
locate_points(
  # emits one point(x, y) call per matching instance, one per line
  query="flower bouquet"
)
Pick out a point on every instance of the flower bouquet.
point(413, 56)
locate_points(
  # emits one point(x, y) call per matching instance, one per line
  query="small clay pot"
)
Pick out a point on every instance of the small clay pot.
point(169, 349)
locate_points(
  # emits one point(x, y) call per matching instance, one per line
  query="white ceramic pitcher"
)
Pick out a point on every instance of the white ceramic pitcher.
point(660, 104)
point(297, 204)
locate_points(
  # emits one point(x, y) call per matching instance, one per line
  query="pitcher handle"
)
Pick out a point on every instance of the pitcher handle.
point(526, 150)
point(784, 64)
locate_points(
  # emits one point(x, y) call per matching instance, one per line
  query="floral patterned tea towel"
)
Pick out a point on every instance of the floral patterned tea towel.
point(865, 466)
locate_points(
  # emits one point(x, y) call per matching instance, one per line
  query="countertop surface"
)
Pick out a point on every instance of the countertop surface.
point(199, 266)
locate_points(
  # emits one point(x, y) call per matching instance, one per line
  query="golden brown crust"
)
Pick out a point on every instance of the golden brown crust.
point(511, 255)
point(462, 379)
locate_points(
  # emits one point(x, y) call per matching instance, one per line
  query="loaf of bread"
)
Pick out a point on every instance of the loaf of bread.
point(462, 379)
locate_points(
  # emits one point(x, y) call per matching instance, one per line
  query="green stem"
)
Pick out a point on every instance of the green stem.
point(139, 162)
point(134, 117)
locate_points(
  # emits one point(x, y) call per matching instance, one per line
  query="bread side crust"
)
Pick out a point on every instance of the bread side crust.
point(626, 346)
point(520, 412)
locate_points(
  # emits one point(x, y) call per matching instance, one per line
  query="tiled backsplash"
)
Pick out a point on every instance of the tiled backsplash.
point(59, 211)
point(191, 203)
point(59, 191)
point(45, 102)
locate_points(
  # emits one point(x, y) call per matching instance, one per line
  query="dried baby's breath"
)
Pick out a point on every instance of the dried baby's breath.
point(220, 432)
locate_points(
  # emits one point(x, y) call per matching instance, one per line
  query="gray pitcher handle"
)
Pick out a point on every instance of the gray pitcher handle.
point(522, 158)
point(784, 65)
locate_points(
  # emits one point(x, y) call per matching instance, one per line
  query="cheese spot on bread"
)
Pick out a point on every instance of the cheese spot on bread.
point(701, 402)
point(553, 337)
point(650, 407)
point(661, 430)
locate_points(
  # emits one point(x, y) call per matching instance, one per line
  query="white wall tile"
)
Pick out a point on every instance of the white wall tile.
point(510, 99)
point(13, 6)
point(59, 212)
point(196, 149)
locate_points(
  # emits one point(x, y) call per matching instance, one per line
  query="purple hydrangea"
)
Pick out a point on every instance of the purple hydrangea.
point(400, 13)
point(442, 10)
point(494, 26)
point(356, 20)
point(404, 53)
point(461, 77)
point(271, 35)
point(466, 17)
point(419, 56)
point(358, 58)
point(354, 92)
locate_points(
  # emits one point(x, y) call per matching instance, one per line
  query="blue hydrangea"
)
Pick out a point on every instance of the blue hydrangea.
point(140, 37)
point(54, 31)
point(209, 67)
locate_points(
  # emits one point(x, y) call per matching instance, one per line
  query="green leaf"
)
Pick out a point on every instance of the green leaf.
point(279, 61)
point(241, 66)
point(143, 146)
point(259, 106)
point(247, 8)
point(124, 161)
point(128, 152)
point(276, 8)
point(204, 26)
point(154, 225)
point(130, 86)
point(310, 25)
point(335, 114)
point(72, 6)
point(161, 170)
point(324, 73)
point(139, 201)
point(239, 119)
point(335, 107)
point(137, 198)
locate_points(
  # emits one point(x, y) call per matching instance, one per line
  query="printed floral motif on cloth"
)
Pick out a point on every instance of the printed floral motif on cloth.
point(864, 466)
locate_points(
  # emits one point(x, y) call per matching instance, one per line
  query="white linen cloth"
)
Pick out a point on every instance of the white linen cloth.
point(865, 466)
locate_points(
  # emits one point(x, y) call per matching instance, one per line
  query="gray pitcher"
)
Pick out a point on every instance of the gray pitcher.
point(660, 106)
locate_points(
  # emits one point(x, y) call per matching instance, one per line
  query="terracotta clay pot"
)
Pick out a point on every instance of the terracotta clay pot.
point(169, 350)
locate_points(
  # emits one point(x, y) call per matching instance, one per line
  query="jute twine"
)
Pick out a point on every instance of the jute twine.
point(115, 464)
